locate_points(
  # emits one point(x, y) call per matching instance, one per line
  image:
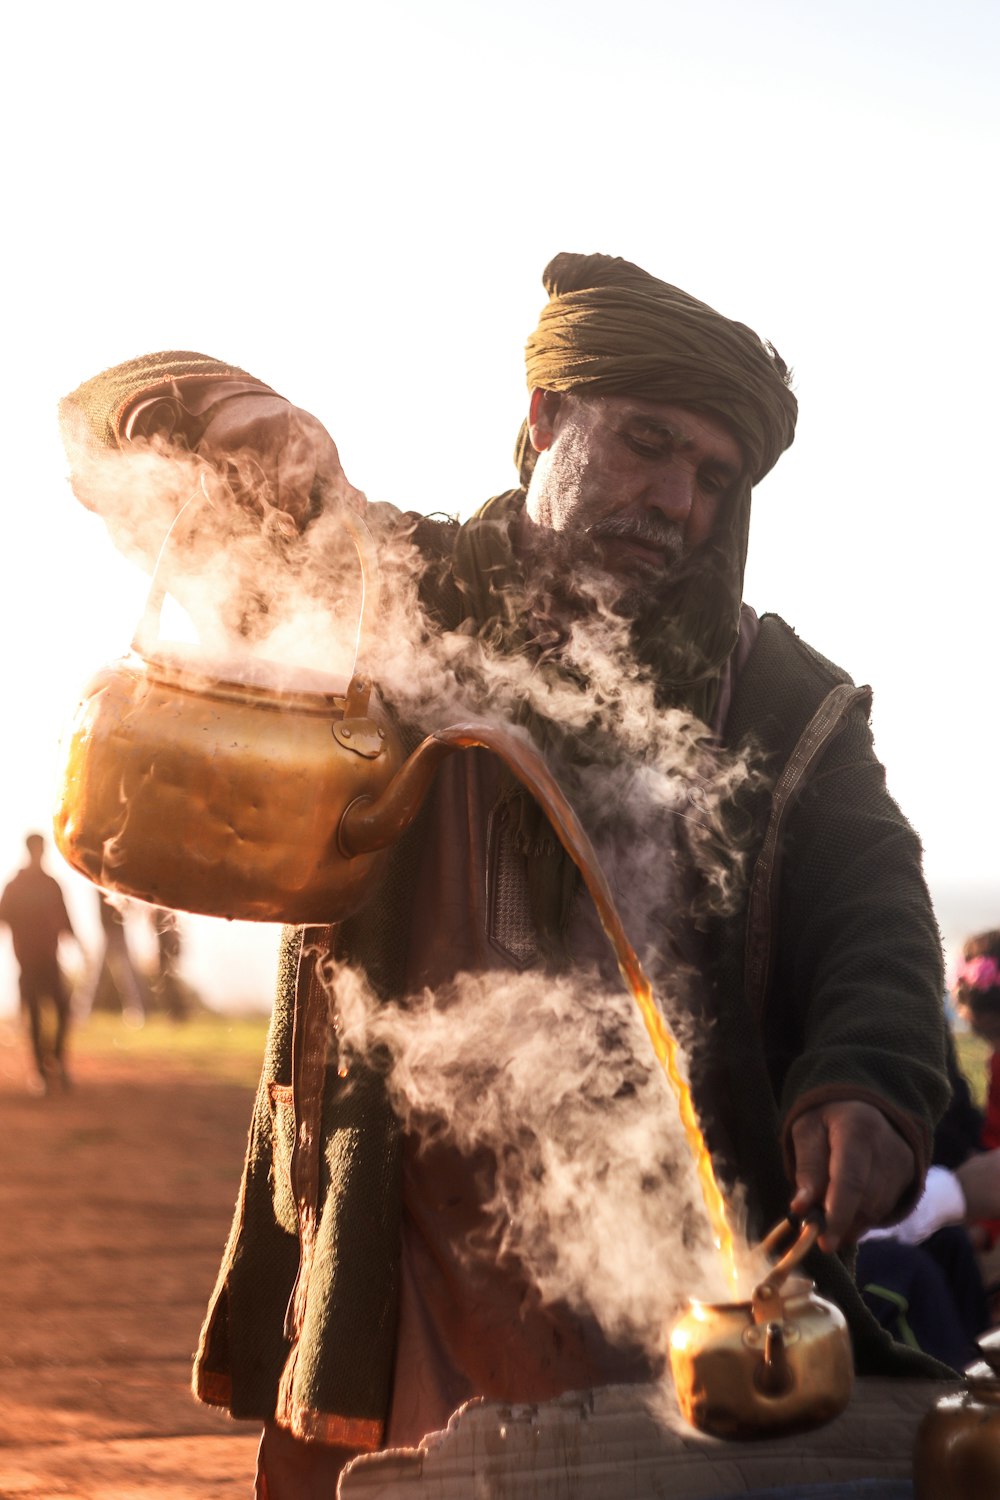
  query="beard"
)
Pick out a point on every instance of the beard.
point(570, 552)
point(653, 613)
point(650, 581)
point(678, 603)
point(572, 572)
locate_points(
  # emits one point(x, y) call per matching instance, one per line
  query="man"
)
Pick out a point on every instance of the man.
point(32, 905)
point(345, 1314)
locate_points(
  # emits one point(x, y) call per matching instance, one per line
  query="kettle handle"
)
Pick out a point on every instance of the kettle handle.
point(148, 629)
point(765, 1299)
point(806, 1230)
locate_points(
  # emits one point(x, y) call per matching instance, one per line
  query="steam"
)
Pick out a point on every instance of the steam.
point(656, 796)
point(595, 1191)
point(238, 578)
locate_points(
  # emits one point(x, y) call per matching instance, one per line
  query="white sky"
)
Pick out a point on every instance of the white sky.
point(356, 203)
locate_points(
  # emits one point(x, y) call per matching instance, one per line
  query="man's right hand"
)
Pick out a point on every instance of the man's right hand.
point(851, 1162)
point(273, 454)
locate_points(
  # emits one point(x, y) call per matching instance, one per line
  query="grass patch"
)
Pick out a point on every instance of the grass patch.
point(973, 1059)
point(229, 1048)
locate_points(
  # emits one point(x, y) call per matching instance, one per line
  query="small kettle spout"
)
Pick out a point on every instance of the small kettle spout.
point(773, 1376)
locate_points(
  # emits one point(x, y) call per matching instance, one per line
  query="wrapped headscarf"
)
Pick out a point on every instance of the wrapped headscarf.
point(610, 328)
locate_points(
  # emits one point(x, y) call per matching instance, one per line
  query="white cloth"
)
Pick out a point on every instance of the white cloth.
point(942, 1202)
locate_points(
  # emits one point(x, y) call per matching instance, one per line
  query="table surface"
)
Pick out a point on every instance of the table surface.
point(858, 1489)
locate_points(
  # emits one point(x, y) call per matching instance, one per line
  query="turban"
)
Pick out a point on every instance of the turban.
point(609, 328)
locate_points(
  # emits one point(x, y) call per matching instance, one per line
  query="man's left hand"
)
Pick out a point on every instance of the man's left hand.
point(851, 1162)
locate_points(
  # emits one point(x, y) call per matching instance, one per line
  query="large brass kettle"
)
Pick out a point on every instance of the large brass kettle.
point(778, 1363)
point(229, 793)
point(221, 788)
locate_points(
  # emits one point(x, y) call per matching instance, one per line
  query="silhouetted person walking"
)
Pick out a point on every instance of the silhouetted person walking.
point(33, 907)
point(113, 973)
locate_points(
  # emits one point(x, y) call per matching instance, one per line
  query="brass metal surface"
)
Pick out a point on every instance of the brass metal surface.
point(956, 1455)
point(780, 1362)
point(220, 798)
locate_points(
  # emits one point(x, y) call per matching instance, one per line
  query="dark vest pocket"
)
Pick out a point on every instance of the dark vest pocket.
point(510, 923)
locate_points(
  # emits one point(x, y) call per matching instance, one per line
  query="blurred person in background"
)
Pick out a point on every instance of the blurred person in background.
point(977, 999)
point(924, 1278)
point(167, 989)
point(113, 980)
point(33, 907)
point(976, 993)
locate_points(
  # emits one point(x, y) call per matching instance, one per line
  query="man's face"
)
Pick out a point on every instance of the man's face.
point(638, 483)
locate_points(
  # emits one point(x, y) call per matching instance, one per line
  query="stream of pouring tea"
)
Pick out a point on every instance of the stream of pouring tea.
point(530, 768)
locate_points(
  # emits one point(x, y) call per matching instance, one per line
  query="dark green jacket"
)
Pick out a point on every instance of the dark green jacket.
point(828, 984)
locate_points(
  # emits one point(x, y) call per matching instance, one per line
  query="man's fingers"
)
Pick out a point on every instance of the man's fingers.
point(274, 454)
point(832, 1171)
point(812, 1155)
point(850, 1160)
point(850, 1201)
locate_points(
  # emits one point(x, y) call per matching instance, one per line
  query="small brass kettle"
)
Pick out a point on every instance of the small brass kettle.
point(780, 1362)
point(956, 1454)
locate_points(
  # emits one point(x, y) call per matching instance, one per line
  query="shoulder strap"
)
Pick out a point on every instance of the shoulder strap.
point(825, 723)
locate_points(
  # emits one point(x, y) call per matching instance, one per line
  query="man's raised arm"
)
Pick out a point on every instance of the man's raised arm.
point(205, 418)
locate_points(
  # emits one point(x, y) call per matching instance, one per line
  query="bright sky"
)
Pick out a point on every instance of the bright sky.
point(356, 203)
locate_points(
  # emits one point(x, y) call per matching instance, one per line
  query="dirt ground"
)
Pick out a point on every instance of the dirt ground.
point(115, 1202)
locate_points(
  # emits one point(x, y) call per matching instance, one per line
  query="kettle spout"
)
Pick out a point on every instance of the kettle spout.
point(368, 825)
point(773, 1376)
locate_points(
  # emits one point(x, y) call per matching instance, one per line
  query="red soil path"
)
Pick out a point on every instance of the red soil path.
point(115, 1201)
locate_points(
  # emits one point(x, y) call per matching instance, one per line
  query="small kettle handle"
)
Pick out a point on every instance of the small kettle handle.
point(806, 1231)
point(148, 629)
point(766, 1297)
